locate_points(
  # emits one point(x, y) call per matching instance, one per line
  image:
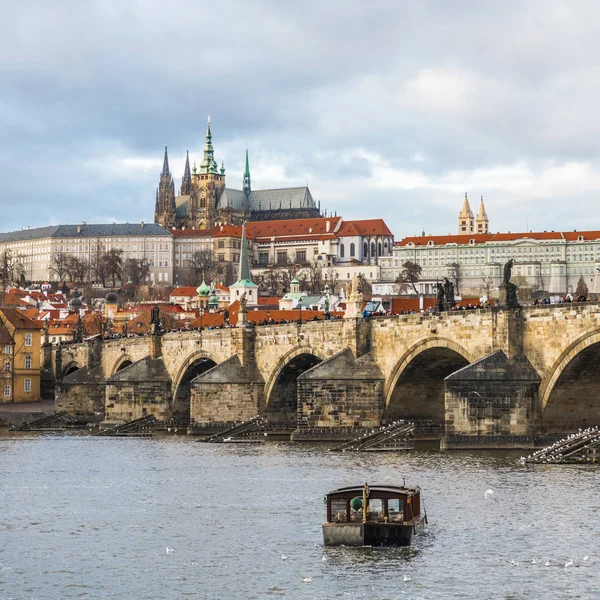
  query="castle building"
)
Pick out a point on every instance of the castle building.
point(205, 201)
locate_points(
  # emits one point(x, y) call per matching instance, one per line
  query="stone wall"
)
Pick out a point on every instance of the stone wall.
point(131, 400)
point(82, 393)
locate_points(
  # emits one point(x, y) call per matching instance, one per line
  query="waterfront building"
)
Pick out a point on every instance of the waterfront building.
point(204, 200)
point(20, 339)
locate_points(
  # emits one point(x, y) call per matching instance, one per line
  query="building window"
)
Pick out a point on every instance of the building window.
point(263, 258)
point(352, 249)
point(27, 384)
point(28, 361)
point(372, 249)
point(221, 258)
point(8, 350)
point(282, 258)
point(300, 256)
point(365, 250)
point(7, 391)
point(221, 243)
point(7, 366)
point(28, 339)
point(342, 251)
point(379, 249)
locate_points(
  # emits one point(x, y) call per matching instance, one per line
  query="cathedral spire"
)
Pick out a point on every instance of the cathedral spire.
point(165, 169)
point(247, 186)
point(186, 180)
point(208, 164)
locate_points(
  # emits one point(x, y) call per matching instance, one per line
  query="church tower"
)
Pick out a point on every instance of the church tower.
point(465, 218)
point(482, 222)
point(164, 208)
point(208, 183)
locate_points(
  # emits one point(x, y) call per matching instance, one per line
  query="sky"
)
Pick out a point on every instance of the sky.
point(387, 109)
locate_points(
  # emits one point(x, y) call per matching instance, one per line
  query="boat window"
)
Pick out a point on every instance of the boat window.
point(338, 511)
point(395, 510)
point(375, 510)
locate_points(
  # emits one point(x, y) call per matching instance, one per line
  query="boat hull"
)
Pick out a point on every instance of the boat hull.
point(370, 534)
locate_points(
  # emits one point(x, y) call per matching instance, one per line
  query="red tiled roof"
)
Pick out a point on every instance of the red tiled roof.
point(184, 291)
point(364, 227)
point(480, 238)
point(18, 320)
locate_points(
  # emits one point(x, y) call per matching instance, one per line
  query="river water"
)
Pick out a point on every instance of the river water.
point(85, 517)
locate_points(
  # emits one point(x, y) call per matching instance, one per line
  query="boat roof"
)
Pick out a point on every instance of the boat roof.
point(392, 489)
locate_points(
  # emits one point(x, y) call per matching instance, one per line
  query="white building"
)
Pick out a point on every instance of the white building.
point(545, 261)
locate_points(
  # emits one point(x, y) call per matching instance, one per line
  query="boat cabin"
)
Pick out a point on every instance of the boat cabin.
point(372, 515)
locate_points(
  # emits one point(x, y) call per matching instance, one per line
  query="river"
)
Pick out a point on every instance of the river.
point(85, 517)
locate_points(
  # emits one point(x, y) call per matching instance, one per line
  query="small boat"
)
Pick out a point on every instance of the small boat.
point(380, 515)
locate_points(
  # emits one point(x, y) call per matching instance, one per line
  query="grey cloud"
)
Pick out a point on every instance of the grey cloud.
point(464, 86)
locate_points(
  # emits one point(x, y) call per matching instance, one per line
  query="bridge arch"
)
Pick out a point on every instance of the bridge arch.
point(568, 392)
point(415, 389)
point(281, 397)
point(70, 367)
point(194, 365)
point(123, 362)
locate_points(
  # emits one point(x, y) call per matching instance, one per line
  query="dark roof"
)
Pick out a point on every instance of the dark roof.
point(392, 489)
point(297, 197)
point(83, 231)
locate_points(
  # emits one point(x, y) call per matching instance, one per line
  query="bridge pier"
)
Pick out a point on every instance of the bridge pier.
point(339, 398)
point(492, 402)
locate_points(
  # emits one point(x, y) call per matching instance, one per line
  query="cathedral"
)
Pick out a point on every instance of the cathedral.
point(204, 200)
point(469, 224)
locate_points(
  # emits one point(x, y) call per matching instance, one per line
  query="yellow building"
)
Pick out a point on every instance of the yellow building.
point(21, 356)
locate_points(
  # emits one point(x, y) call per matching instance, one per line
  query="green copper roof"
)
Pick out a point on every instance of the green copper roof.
point(213, 300)
point(203, 289)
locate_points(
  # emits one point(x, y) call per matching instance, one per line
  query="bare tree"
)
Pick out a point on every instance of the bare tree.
point(59, 262)
point(332, 278)
point(582, 288)
point(76, 268)
point(364, 287)
point(98, 264)
point(487, 285)
point(409, 276)
point(314, 277)
point(114, 264)
point(136, 270)
point(11, 268)
point(455, 276)
point(204, 265)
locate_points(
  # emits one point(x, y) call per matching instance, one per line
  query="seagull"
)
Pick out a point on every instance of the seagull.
point(406, 578)
point(306, 580)
point(323, 558)
point(533, 561)
point(169, 550)
point(585, 557)
point(283, 557)
point(568, 563)
point(547, 563)
point(488, 493)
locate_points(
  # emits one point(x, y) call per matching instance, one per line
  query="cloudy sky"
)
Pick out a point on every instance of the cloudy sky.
point(388, 109)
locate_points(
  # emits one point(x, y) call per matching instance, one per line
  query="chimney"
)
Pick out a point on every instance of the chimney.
point(142, 224)
point(327, 226)
point(78, 228)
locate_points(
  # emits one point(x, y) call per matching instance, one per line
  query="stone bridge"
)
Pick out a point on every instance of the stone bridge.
point(476, 373)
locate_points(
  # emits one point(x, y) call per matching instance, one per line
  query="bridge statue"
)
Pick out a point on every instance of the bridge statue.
point(449, 294)
point(439, 301)
point(155, 320)
point(507, 289)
